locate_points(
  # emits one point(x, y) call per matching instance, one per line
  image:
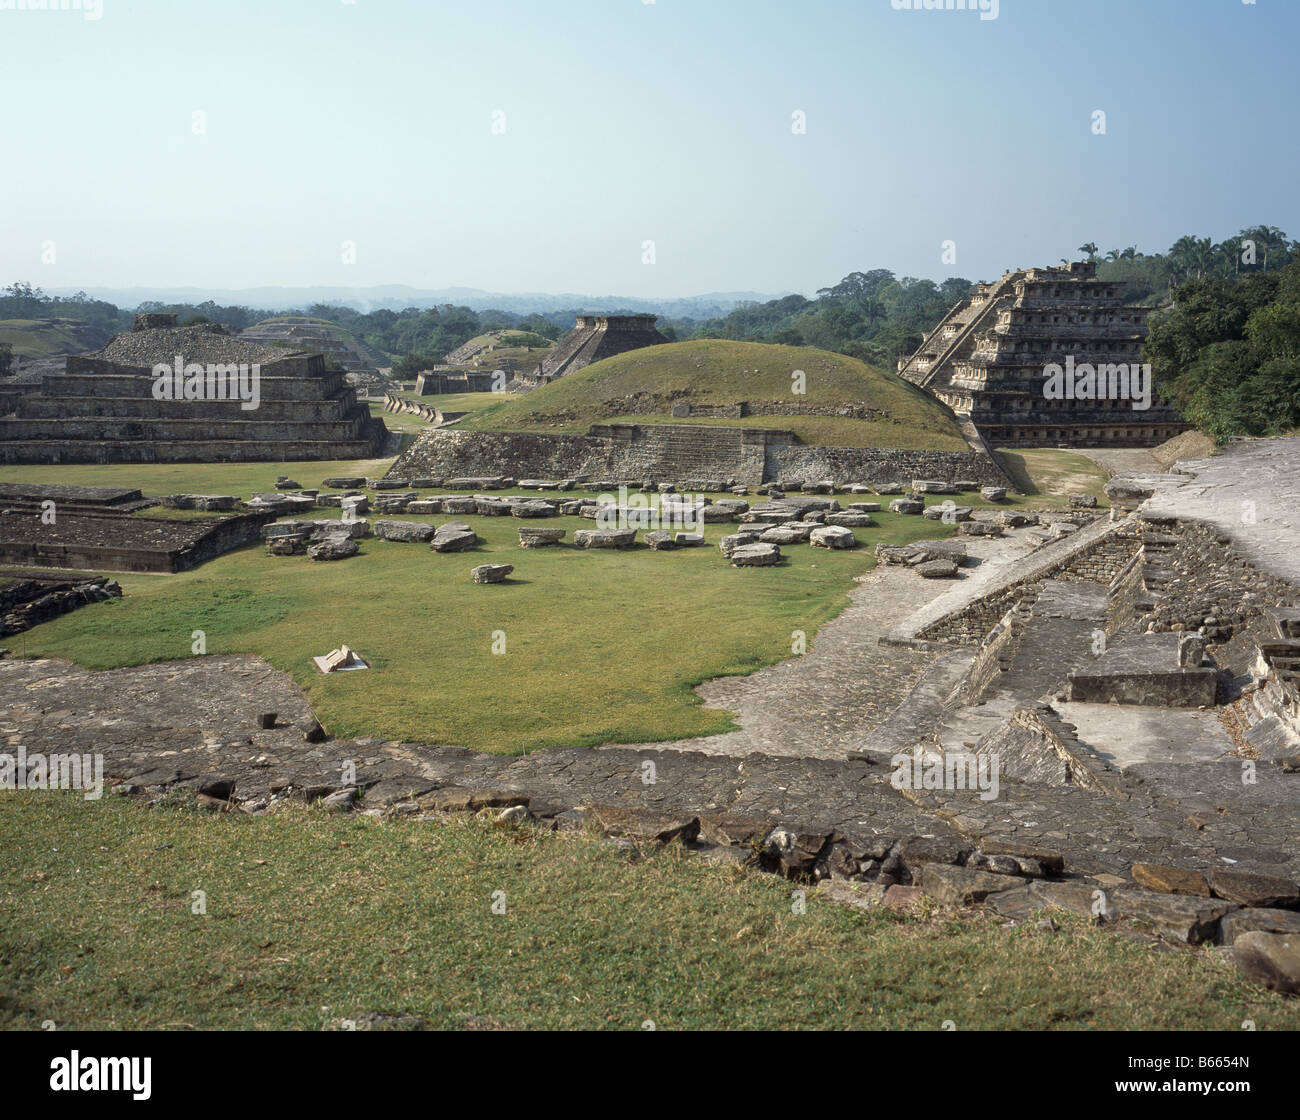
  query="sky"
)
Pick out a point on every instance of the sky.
point(650, 149)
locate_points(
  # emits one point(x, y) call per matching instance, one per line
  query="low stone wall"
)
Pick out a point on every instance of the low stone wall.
point(673, 452)
point(1210, 582)
point(996, 651)
point(870, 465)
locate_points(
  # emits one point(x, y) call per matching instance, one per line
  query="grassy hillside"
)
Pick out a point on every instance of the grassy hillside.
point(50, 338)
point(716, 372)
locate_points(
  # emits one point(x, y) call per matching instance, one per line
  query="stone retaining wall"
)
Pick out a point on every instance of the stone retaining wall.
point(671, 452)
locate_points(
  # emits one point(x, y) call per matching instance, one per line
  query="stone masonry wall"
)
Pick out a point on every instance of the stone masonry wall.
point(672, 452)
point(1101, 561)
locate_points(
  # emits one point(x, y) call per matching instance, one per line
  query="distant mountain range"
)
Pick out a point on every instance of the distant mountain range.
point(395, 297)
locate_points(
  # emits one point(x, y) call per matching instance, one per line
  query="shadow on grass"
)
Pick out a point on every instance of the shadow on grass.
point(1015, 467)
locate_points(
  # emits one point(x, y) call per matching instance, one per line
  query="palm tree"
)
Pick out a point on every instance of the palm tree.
point(1091, 249)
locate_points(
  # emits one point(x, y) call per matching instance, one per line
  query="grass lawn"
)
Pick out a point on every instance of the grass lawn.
point(313, 918)
point(601, 646)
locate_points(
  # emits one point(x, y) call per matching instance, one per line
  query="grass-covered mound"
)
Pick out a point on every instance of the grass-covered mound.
point(50, 338)
point(713, 372)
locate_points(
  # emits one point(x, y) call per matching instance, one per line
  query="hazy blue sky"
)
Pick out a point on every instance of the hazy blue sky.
point(372, 122)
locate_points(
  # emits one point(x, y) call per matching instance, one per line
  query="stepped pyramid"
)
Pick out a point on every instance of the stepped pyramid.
point(987, 359)
point(103, 408)
point(595, 337)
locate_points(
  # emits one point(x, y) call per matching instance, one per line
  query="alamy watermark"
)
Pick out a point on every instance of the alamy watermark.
point(90, 9)
point(55, 771)
point(988, 9)
point(954, 770)
point(212, 382)
point(634, 511)
point(1110, 381)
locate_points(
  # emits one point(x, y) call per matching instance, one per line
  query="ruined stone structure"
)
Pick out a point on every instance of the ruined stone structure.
point(987, 357)
point(302, 332)
point(97, 529)
point(105, 408)
point(593, 338)
point(446, 379)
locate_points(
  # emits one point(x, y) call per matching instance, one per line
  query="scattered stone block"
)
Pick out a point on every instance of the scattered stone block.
point(733, 541)
point(936, 569)
point(892, 553)
point(906, 505)
point(865, 507)
point(1083, 501)
point(974, 528)
point(660, 541)
point(284, 482)
point(455, 537)
point(688, 540)
point(948, 513)
point(932, 486)
point(209, 503)
point(850, 520)
point(604, 538)
point(333, 548)
point(425, 506)
point(833, 536)
point(886, 488)
point(491, 573)
point(348, 483)
point(404, 531)
point(387, 484)
point(540, 538)
point(993, 493)
point(755, 556)
point(534, 509)
point(785, 534)
point(920, 551)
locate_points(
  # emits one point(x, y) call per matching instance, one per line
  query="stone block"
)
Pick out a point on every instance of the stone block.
point(604, 538)
point(833, 536)
point(404, 531)
point(491, 573)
